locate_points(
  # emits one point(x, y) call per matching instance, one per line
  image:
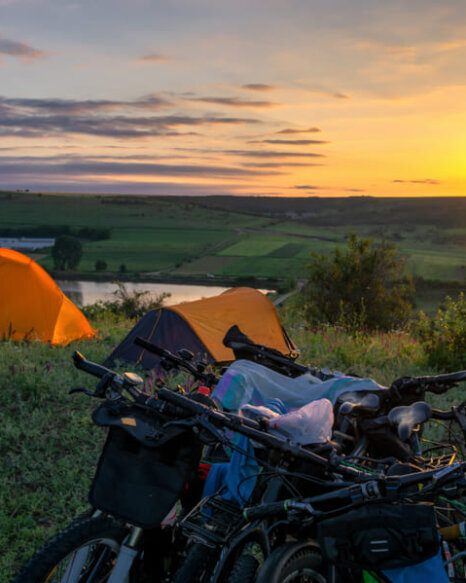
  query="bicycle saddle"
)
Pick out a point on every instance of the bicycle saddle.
point(359, 401)
point(406, 418)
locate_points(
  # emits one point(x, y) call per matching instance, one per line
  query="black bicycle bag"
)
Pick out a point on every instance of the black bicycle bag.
point(380, 536)
point(144, 466)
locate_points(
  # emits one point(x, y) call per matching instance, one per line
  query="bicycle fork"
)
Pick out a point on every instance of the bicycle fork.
point(128, 552)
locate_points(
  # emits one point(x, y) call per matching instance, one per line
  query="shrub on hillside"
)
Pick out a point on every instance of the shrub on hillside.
point(127, 304)
point(66, 252)
point(364, 285)
point(100, 265)
point(443, 337)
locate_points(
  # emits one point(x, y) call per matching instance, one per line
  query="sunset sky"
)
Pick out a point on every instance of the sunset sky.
point(265, 97)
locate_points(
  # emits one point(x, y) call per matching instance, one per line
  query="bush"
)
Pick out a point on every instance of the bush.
point(66, 252)
point(364, 285)
point(127, 304)
point(443, 337)
point(100, 265)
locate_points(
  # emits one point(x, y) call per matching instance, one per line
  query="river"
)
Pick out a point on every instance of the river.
point(83, 293)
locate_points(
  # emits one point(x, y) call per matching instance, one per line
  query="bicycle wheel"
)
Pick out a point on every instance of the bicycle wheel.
point(197, 566)
point(293, 563)
point(85, 551)
point(244, 570)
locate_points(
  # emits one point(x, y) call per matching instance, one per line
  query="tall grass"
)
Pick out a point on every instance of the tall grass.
point(49, 446)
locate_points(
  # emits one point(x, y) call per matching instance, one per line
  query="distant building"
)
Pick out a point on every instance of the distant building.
point(26, 243)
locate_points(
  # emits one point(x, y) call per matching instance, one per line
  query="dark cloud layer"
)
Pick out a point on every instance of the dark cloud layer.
point(234, 102)
point(75, 107)
point(291, 131)
point(108, 186)
point(258, 87)
point(290, 142)
point(61, 166)
point(429, 181)
point(21, 50)
point(272, 154)
point(155, 58)
point(334, 94)
point(278, 164)
point(55, 117)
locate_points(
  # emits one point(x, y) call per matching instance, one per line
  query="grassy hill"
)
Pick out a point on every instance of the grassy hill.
point(244, 238)
point(49, 446)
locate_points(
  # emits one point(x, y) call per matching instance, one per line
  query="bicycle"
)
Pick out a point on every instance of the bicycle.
point(115, 539)
point(375, 527)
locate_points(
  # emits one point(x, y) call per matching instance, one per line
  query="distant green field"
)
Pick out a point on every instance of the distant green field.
point(229, 237)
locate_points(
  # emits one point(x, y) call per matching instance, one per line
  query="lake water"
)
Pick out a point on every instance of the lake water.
point(83, 293)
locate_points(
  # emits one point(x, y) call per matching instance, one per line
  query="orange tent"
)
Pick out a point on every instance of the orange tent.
point(33, 307)
point(201, 326)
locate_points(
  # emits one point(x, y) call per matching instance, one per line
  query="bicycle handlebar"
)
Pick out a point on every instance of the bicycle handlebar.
point(255, 431)
point(208, 378)
point(382, 488)
point(435, 384)
point(92, 368)
point(240, 344)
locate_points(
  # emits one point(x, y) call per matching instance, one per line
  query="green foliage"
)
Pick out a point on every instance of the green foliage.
point(127, 304)
point(383, 356)
point(122, 268)
point(444, 336)
point(100, 265)
point(66, 252)
point(364, 285)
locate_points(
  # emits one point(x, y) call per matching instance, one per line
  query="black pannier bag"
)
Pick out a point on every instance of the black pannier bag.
point(143, 468)
point(380, 536)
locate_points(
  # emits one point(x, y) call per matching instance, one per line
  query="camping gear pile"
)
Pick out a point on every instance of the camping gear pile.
point(260, 473)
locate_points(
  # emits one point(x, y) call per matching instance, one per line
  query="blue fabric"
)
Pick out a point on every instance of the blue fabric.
point(430, 571)
point(235, 479)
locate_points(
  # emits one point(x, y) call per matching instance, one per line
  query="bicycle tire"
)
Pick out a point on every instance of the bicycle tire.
point(244, 570)
point(293, 563)
point(197, 566)
point(87, 541)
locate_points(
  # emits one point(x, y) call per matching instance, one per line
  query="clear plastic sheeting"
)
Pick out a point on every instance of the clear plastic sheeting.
point(247, 382)
point(311, 423)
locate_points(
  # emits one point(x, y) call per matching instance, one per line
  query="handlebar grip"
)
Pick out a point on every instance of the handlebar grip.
point(265, 510)
point(92, 368)
point(181, 402)
point(444, 415)
point(149, 346)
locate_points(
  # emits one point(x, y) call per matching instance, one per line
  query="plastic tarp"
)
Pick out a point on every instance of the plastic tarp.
point(249, 382)
point(311, 423)
point(200, 326)
point(32, 306)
